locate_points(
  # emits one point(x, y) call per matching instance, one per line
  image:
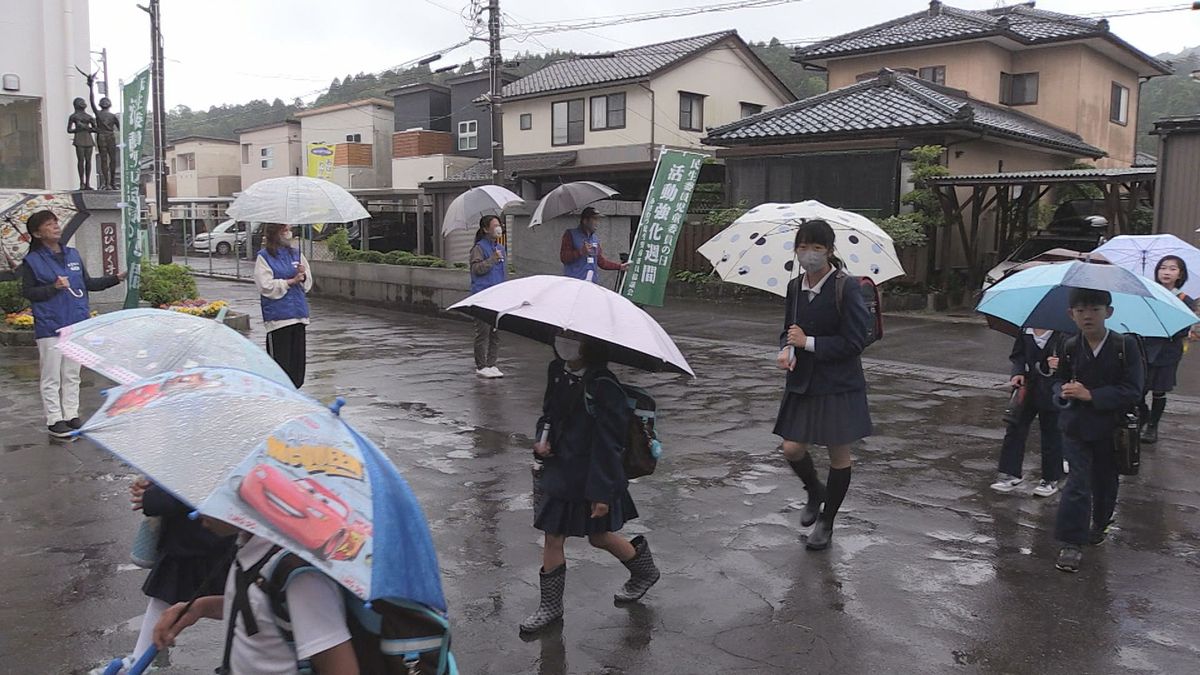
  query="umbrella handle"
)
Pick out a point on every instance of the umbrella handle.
point(143, 663)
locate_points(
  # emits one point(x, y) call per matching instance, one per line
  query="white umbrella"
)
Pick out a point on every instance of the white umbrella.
point(467, 208)
point(296, 200)
point(569, 197)
point(1140, 253)
point(757, 249)
point(542, 307)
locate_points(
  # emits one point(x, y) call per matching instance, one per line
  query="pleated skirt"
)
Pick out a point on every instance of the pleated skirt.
point(824, 419)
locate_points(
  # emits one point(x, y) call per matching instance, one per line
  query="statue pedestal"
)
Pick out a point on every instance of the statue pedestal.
point(102, 230)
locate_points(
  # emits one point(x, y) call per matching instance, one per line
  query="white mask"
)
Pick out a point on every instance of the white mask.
point(568, 349)
point(497, 233)
point(287, 234)
point(812, 261)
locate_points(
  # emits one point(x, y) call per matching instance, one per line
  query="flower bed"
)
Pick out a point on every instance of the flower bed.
point(22, 320)
point(197, 307)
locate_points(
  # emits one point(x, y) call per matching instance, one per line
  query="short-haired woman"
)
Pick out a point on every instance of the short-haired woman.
point(282, 276)
point(487, 270)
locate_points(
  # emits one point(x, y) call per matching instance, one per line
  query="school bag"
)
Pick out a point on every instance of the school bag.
point(388, 638)
point(1127, 440)
point(871, 298)
point(642, 448)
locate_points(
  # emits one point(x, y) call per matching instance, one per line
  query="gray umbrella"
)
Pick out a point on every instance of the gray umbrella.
point(568, 198)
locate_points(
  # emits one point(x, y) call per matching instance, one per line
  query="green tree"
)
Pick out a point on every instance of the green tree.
point(1174, 94)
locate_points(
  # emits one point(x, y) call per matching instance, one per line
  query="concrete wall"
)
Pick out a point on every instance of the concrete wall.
point(218, 169)
point(287, 154)
point(44, 41)
point(420, 289)
point(409, 172)
point(102, 207)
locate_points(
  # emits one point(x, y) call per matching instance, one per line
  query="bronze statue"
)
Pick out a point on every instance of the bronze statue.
point(82, 125)
point(108, 125)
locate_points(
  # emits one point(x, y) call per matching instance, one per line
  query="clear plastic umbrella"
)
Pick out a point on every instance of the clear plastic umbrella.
point(1140, 253)
point(569, 197)
point(466, 209)
point(296, 200)
point(15, 211)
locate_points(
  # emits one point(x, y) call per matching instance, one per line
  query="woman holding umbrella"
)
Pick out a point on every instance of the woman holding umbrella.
point(56, 284)
point(825, 399)
point(282, 276)
point(1163, 355)
point(487, 270)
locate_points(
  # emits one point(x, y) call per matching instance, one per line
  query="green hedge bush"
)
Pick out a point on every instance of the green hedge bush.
point(165, 284)
point(11, 299)
point(339, 246)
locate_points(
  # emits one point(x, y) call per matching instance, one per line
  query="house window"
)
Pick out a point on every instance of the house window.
point(468, 135)
point(185, 162)
point(245, 153)
point(1118, 108)
point(21, 143)
point(691, 111)
point(749, 109)
point(934, 74)
point(1019, 89)
point(266, 157)
point(608, 112)
point(526, 121)
point(566, 122)
point(354, 138)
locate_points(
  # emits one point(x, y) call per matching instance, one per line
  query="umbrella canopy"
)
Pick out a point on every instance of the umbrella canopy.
point(466, 209)
point(757, 249)
point(133, 344)
point(271, 461)
point(569, 197)
point(296, 200)
point(15, 211)
point(1140, 253)
point(542, 307)
point(1038, 298)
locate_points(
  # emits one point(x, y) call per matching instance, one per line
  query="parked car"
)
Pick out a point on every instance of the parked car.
point(1076, 226)
point(224, 237)
point(305, 511)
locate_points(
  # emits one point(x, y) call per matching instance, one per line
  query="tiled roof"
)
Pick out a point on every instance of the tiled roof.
point(1022, 23)
point(1054, 176)
point(1145, 159)
point(628, 64)
point(482, 170)
point(893, 103)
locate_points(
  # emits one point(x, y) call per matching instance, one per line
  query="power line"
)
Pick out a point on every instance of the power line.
point(546, 27)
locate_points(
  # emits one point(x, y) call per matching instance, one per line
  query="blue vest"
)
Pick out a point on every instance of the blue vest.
point(64, 308)
point(580, 267)
point(495, 275)
point(293, 305)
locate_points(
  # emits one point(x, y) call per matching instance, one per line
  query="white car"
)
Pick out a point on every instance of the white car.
point(223, 238)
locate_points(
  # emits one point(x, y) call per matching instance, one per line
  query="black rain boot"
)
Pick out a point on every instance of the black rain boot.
point(642, 572)
point(807, 473)
point(822, 533)
point(550, 607)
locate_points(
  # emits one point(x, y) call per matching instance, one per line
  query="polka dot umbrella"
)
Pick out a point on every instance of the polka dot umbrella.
point(756, 250)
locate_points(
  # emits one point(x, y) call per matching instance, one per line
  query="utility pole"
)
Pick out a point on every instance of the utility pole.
point(495, 62)
point(165, 240)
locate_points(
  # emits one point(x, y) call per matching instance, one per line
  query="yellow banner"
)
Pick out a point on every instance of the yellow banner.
point(320, 160)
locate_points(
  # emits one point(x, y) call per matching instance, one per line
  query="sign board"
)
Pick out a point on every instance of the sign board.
point(108, 248)
point(135, 98)
point(319, 161)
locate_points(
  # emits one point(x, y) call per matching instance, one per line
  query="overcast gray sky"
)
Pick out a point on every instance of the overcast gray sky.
point(232, 51)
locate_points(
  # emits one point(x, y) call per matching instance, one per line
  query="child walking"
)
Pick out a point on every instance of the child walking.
point(825, 398)
point(1032, 354)
point(1100, 376)
point(586, 417)
point(1163, 355)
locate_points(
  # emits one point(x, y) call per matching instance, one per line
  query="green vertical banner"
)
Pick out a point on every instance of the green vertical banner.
point(645, 283)
point(134, 99)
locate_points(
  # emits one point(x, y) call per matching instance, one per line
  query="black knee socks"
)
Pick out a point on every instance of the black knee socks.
point(1157, 406)
point(806, 471)
point(836, 486)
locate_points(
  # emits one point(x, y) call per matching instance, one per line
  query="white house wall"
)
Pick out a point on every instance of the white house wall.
point(284, 141)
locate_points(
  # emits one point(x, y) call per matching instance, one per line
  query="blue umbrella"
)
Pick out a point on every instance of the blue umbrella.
point(1037, 298)
point(271, 461)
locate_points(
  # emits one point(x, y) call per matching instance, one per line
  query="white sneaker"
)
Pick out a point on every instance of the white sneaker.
point(1045, 488)
point(1006, 483)
point(483, 372)
point(496, 372)
point(1066, 467)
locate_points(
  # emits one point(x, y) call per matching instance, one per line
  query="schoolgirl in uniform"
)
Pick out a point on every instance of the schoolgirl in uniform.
point(825, 398)
point(1164, 354)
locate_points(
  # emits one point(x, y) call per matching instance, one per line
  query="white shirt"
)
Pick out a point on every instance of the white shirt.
point(273, 289)
point(1041, 340)
point(1099, 347)
point(810, 343)
point(317, 611)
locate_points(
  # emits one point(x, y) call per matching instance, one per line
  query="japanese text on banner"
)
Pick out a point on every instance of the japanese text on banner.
point(134, 99)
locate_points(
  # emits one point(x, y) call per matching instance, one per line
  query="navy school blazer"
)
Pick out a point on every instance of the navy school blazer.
point(1115, 387)
point(835, 367)
point(1028, 360)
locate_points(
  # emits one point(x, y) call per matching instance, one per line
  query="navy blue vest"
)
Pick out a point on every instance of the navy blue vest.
point(293, 305)
point(580, 267)
point(64, 308)
point(495, 275)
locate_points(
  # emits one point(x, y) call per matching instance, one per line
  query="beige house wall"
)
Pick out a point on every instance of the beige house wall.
point(1097, 74)
point(723, 75)
point(284, 141)
point(217, 172)
point(974, 67)
point(373, 122)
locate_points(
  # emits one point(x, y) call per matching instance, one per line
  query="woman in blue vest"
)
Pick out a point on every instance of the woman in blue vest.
point(56, 284)
point(487, 270)
point(825, 398)
point(282, 276)
point(580, 253)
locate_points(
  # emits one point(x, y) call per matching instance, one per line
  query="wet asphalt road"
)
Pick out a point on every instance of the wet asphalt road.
point(929, 571)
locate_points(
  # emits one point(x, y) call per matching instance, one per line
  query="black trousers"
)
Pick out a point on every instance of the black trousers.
point(286, 345)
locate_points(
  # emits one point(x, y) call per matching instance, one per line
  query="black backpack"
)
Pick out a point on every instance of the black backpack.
point(388, 638)
point(871, 298)
point(642, 449)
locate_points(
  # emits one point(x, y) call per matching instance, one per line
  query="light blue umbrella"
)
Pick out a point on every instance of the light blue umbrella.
point(271, 461)
point(1038, 298)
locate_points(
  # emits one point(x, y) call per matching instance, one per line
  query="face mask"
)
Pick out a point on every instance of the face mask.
point(497, 233)
point(812, 261)
point(287, 234)
point(567, 348)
